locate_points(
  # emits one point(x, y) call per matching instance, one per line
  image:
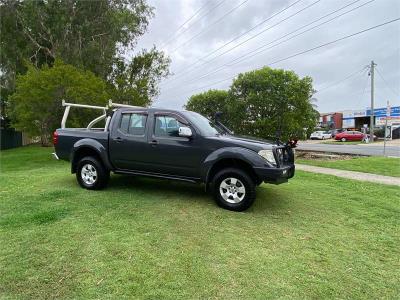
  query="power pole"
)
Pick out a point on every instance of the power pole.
point(371, 129)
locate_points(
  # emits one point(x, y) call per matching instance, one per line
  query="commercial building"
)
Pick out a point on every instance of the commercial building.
point(331, 120)
point(356, 119)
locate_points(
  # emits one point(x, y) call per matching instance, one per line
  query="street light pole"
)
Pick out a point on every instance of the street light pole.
point(371, 130)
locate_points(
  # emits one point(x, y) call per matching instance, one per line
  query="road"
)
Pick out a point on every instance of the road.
point(370, 150)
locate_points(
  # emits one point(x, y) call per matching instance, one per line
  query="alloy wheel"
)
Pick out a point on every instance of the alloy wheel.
point(89, 174)
point(232, 190)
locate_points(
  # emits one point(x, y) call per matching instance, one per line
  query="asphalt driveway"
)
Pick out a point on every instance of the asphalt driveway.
point(370, 150)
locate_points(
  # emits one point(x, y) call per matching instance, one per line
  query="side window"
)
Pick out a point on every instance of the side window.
point(167, 126)
point(124, 123)
point(133, 124)
point(138, 124)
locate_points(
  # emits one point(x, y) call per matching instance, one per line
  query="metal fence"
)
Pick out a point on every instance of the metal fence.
point(10, 138)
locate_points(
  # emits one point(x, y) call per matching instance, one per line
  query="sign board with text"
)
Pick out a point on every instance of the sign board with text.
point(382, 112)
point(393, 120)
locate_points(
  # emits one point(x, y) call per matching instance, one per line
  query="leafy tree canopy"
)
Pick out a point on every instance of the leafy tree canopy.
point(210, 102)
point(91, 35)
point(37, 100)
point(86, 34)
point(264, 102)
point(136, 82)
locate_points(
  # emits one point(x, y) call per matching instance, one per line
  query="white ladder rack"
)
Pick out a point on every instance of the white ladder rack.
point(98, 119)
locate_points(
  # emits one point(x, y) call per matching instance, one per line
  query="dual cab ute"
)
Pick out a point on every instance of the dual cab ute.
point(171, 144)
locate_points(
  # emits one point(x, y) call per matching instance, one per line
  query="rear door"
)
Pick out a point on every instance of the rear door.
point(128, 141)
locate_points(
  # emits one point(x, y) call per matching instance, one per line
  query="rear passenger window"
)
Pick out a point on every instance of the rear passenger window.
point(133, 124)
point(125, 123)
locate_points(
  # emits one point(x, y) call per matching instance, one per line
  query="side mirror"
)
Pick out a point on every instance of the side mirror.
point(185, 131)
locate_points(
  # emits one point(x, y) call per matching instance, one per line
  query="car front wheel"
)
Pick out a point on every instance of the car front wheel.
point(91, 174)
point(343, 139)
point(234, 189)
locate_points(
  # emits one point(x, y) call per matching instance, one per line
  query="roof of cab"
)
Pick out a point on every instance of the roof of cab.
point(150, 109)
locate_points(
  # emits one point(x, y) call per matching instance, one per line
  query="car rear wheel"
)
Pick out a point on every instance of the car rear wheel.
point(343, 139)
point(234, 189)
point(91, 174)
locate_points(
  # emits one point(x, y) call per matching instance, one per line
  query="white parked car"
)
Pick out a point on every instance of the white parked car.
point(320, 135)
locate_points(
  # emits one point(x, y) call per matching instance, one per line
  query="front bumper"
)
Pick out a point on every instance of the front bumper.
point(275, 175)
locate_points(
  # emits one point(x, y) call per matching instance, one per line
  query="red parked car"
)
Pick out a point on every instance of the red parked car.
point(350, 136)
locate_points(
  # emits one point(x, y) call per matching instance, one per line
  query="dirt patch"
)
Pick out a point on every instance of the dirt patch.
point(323, 156)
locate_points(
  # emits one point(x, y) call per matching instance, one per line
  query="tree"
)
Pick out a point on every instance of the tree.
point(86, 34)
point(269, 101)
point(210, 102)
point(264, 103)
point(136, 82)
point(91, 35)
point(36, 104)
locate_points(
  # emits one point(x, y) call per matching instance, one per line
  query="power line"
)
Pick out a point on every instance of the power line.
point(365, 88)
point(210, 25)
point(341, 81)
point(261, 32)
point(386, 83)
point(307, 30)
point(309, 50)
point(256, 52)
point(237, 37)
point(202, 16)
point(184, 23)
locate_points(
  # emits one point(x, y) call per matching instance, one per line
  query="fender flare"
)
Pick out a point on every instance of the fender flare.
point(246, 155)
point(93, 145)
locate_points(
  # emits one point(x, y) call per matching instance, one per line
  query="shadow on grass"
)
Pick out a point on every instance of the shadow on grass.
point(268, 199)
point(155, 186)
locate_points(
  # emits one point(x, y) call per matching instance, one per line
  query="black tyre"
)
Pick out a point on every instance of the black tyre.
point(234, 189)
point(91, 174)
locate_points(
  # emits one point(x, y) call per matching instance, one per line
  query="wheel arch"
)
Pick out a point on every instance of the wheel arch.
point(92, 148)
point(238, 157)
point(232, 162)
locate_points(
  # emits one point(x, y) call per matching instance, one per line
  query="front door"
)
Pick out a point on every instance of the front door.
point(172, 154)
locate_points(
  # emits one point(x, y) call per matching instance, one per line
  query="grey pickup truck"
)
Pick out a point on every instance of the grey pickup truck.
point(171, 144)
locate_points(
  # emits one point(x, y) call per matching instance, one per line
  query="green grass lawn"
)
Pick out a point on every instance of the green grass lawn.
point(317, 237)
point(377, 165)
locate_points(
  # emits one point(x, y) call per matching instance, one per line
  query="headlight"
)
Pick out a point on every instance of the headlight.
point(268, 155)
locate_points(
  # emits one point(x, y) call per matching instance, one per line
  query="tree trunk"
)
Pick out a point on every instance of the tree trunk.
point(44, 140)
point(44, 136)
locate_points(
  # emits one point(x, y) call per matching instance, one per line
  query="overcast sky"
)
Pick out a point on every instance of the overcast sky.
point(193, 48)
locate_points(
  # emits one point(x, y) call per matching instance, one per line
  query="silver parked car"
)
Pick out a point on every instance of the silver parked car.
point(320, 135)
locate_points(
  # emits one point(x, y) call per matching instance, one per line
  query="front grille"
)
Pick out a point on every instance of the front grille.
point(283, 156)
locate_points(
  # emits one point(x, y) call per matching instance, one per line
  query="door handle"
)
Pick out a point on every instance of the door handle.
point(153, 142)
point(118, 139)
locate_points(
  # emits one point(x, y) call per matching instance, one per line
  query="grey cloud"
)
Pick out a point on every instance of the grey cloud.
point(326, 65)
